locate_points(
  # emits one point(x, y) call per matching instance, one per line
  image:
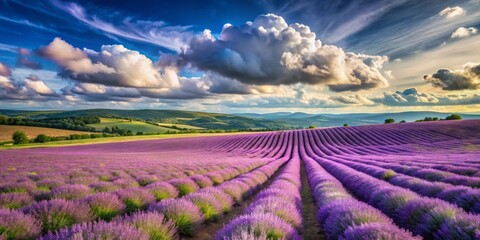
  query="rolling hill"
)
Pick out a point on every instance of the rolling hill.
point(195, 119)
point(6, 131)
point(163, 120)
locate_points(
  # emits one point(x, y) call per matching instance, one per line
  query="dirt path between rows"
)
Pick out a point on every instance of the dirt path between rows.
point(311, 229)
point(208, 230)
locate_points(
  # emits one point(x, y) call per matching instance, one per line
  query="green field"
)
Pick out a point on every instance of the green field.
point(183, 126)
point(134, 126)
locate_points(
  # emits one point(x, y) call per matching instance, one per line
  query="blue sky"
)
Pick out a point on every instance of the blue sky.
point(241, 56)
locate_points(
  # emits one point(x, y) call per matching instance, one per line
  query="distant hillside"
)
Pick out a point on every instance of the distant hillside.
point(203, 120)
point(197, 119)
point(303, 120)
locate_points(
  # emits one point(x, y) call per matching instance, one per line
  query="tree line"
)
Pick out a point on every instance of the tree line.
point(67, 123)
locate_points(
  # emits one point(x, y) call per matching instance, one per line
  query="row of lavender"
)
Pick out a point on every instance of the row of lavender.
point(55, 214)
point(275, 213)
point(17, 193)
point(340, 215)
point(427, 217)
point(430, 198)
point(167, 218)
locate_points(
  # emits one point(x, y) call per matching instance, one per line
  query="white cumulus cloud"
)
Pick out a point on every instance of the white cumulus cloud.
point(451, 12)
point(462, 32)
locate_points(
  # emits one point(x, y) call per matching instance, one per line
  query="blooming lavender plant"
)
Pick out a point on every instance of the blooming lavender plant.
point(202, 181)
point(105, 206)
point(58, 213)
point(153, 224)
point(265, 224)
point(16, 225)
point(184, 185)
point(162, 190)
point(98, 230)
point(71, 191)
point(15, 200)
point(186, 215)
point(207, 203)
point(135, 198)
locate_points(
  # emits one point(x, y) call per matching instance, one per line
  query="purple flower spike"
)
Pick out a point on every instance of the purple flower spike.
point(182, 212)
point(71, 192)
point(376, 231)
point(285, 210)
point(135, 198)
point(105, 206)
point(16, 225)
point(58, 213)
point(98, 230)
point(162, 190)
point(202, 181)
point(184, 185)
point(207, 203)
point(268, 225)
point(154, 224)
point(15, 200)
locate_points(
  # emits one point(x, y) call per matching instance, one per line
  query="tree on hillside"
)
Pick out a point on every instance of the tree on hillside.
point(389, 120)
point(403, 121)
point(312, 126)
point(454, 117)
point(19, 137)
point(42, 138)
point(345, 124)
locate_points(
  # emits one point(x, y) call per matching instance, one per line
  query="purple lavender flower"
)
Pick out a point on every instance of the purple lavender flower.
point(224, 199)
point(71, 192)
point(184, 185)
point(16, 225)
point(135, 198)
point(98, 230)
point(265, 224)
point(236, 189)
point(126, 183)
point(59, 213)
point(105, 206)
point(207, 203)
point(154, 224)
point(50, 183)
point(202, 181)
point(337, 216)
point(103, 187)
point(216, 177)
point(14, 200)
point(186, 215)
point(162, 190)
point(146, 179)
point(376, 231)
point(18, 187)
point(285, 210)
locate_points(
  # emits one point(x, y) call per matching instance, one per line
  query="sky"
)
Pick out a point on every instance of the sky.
point(324, 56)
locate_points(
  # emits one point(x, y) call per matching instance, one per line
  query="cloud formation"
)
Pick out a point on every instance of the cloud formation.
point(31, 88)
point(23, 59)
point(466, 78)
point(451, 12)
point(114, 65)
point(268, 51)
point(5, 70)
point(154, 32)
point(462, 32)
point(412, 97)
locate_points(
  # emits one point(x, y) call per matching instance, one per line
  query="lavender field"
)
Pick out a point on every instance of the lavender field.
point(392, 181)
